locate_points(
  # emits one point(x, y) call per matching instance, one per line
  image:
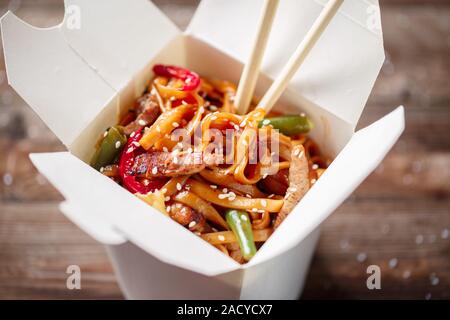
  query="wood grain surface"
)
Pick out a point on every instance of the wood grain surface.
point(399, 218)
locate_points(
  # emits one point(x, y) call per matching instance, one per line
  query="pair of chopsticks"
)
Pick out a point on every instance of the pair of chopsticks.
point(251, 70)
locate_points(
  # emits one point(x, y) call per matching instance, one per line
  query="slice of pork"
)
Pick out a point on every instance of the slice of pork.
point(298, 183)
point(167, 164)
point(147, 110)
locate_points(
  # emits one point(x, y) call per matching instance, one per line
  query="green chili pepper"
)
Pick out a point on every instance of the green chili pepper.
point(289, 125)
point(241, 226)
point(110, 147)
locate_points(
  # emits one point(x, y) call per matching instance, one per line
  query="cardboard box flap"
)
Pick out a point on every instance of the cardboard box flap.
point(129, 35)
point(340, 71)
point(89, 222)
point(65, 92)
point(89, 192)
point(356, 161)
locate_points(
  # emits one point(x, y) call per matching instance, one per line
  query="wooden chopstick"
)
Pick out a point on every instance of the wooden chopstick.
point(299, 56)
point(250, 73)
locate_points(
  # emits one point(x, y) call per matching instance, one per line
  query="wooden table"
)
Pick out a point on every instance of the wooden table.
point(398, 218)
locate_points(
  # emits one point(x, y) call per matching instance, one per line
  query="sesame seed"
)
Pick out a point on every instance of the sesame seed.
point(175, 160)
point(254, 210)
point(296, 152)
point(136, 144)
point(168, 208)
point(184, 102)
point(213, 108)
point(165, 149)
point(292, 189)
point(313, 181)
point(244, 217)
point(315, 166)
point(178, 186)
point(130, 149)
point(224, 190)
point(232, 196)
point(175, 124)
point(146, 182)
point(102, 169)
point(118, 144)
point(213, 186)
point(248, 196)
point(221, 237)
point(167, 199)
point(154, 170)
point(265, 175)
point(132, 134)
point(192, 224)
point(264, 203)
point(105, 133)
point(164, 190)
point(158, 128)
point(271, 196)
point(142, 122)
point(223, 196)
point(266, 122)
point(213, 118)
point(172, 98)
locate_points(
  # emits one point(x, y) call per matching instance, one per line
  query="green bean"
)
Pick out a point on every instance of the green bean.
point(241, 226)
point(289, 125)
point(109, 148)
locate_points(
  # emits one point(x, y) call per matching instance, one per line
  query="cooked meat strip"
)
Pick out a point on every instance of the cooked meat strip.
point(188, 217)
point(298, 183)
point(165, 164)
point(147, 110)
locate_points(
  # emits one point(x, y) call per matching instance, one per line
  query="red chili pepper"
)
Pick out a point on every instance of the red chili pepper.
point(191, 79)
point(126, 162)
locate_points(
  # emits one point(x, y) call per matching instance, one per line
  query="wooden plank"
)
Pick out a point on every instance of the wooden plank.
point(37, 244)
point(383, 232)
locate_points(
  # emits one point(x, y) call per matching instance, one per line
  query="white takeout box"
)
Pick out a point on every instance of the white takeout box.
point(79, 75)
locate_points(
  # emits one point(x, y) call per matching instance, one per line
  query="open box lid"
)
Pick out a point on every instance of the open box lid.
point(69, 73)
point(341, 69)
